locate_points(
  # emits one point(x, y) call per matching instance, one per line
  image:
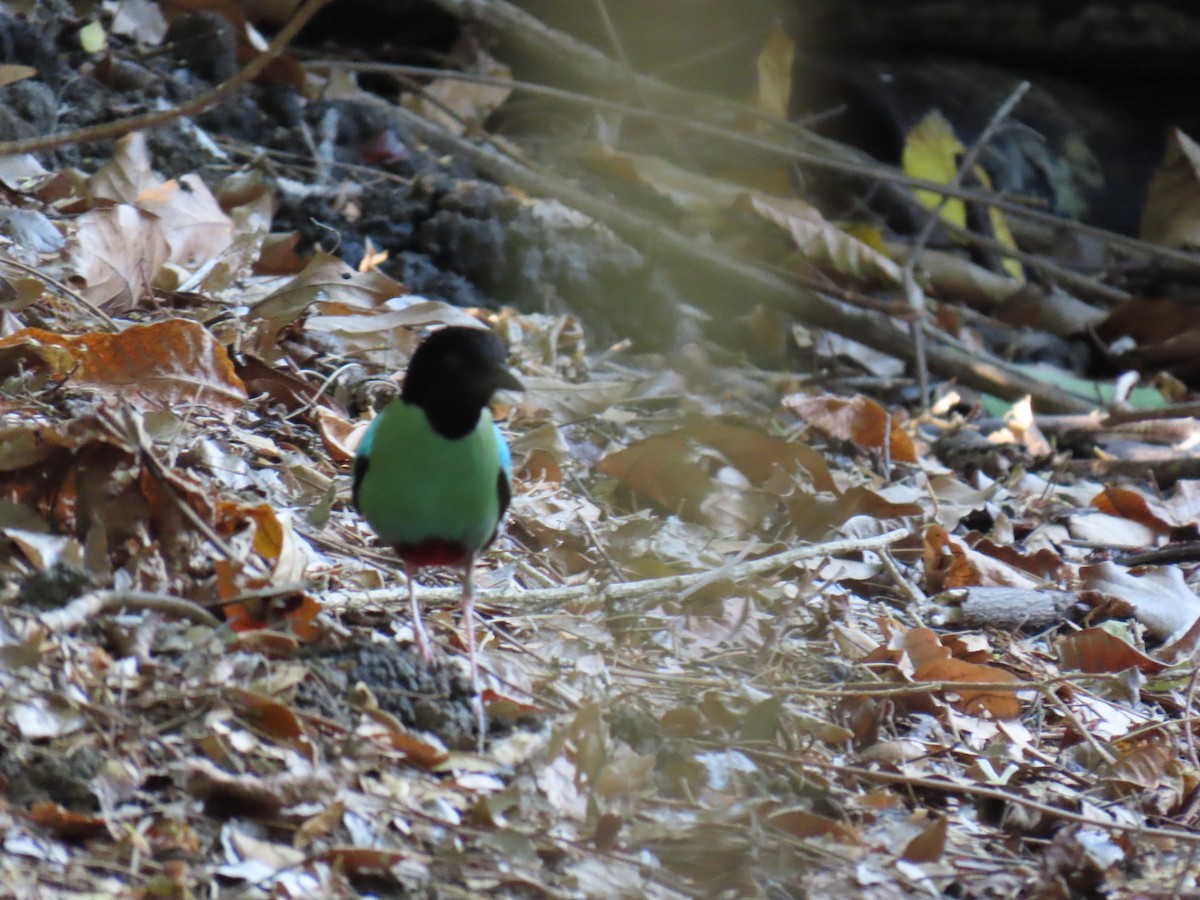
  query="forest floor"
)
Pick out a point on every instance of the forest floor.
point(761, 623)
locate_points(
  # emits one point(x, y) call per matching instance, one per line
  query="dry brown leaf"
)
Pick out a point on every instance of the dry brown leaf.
point(175, 363)
point(339, 434)
point(920, 655)
point(930, 844)
point(859, 420)
point(1097, 652)
point(195, 226)
point(760, 457)
point(457, 104)
point(68, 825)
point(1045, 563)
point(568, 401)
point(1171, 215)
point(949, 563)
point(1184, 648)
point(272, 718)
point(117, 252)
point(326, 279)
point(126, 174)
point(709, 473)
point(804, 824)
point(362, 862)
point(10, 73)
point(280, 386)
point(823, 243)
point(815, 515)
point(1141, 763)
point(1128, 503)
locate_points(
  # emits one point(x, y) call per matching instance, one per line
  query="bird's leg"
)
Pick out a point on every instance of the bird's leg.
point(468, 604)
point(423, 644)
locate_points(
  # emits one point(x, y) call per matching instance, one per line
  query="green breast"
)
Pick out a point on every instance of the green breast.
point(419, 485)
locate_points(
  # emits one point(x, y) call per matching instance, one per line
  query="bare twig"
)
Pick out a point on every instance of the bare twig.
point(623, 592)
point(90, 605)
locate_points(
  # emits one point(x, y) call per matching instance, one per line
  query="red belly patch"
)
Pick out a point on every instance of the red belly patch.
point(433, 552)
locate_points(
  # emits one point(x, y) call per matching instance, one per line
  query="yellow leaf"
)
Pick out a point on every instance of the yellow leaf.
point(93, 38)
point(932, 151)
point(775, 73)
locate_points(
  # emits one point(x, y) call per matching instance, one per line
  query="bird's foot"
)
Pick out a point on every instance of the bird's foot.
point(424, 645)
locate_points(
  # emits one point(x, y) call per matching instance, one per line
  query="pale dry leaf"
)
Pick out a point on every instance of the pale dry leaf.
point(1171, 216)
point(127, 172)
point(10, 73)
point(16, 170)
point(117, 252)
point(40, 719)
point(956, 278)
point(823, 243)
point(1113, 531)
point(141, 20)
point(196, 228)
point(700, 195)
point(568, 401)
point(45, 550)
point(1159, 598)
point(455, 103)
point(325, 279)
point(775, 76)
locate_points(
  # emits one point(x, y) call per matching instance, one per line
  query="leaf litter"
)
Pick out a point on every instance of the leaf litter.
point(707, 630)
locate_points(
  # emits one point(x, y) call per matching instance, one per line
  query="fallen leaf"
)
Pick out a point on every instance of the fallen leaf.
point(859, 420)
point(1159, 598)
point(10, 73)
point(824, 244)
point(1171, 213)
point(1098, 652)
point(930, 844)
point(326, 279)
point(775, 76)
point(170, 364)
point(455, 103)
point(932, 151)
point(117, 252)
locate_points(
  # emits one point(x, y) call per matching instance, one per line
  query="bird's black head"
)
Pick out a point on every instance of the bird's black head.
point(453, 375)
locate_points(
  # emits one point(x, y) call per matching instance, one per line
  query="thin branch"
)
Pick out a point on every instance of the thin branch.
point(90, 605)
point(622, 592)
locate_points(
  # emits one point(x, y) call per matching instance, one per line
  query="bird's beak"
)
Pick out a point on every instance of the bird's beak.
point(506, 380)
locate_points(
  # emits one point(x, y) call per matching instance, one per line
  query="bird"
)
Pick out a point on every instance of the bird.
point(433, 473)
